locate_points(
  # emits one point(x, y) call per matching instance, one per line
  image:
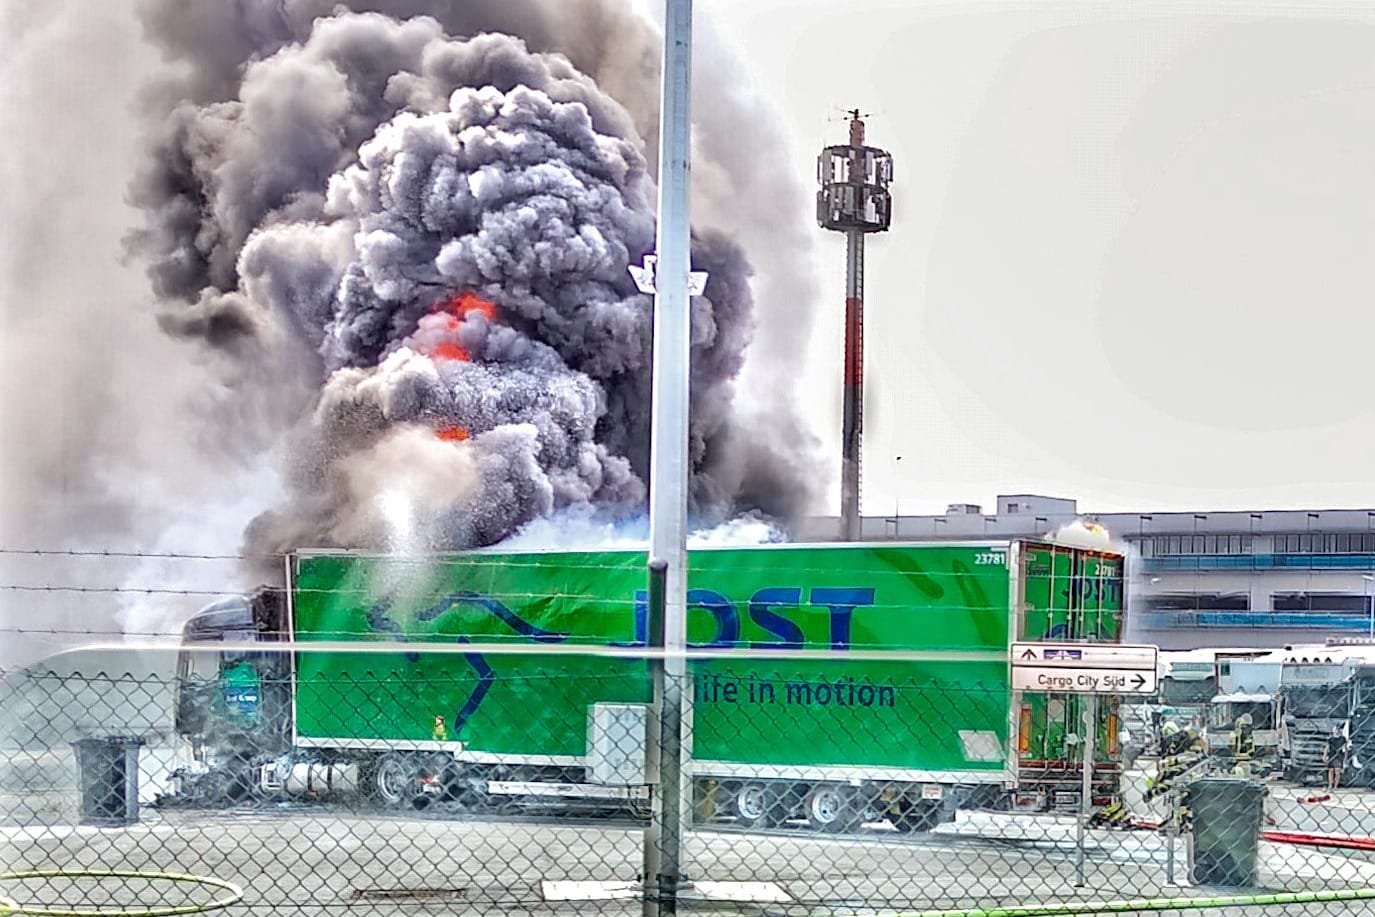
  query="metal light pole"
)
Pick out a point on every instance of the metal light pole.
point(668, 276)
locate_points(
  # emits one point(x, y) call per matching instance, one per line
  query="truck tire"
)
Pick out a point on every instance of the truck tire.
point(759, 805)
point(831, 807)
point(918, 816)
point(460, 787)
point(393, 780)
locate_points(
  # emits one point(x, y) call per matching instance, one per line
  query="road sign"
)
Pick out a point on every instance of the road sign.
point(1085, 668)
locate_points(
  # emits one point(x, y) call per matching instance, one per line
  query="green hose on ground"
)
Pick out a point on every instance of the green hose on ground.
point(1127, 905)
point(9, 906)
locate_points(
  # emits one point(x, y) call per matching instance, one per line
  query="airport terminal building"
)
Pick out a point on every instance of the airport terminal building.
point(1261, 578)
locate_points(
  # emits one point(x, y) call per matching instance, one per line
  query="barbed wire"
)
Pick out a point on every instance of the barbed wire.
point(477, 552)
point(175, 555)
point(498, 556)
point(86, 632)
point(107, 590)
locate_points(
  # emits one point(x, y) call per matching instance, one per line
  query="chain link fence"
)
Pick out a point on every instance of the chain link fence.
point(258, 782)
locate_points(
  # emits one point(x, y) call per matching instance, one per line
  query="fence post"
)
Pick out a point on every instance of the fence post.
point(663, 765)
point(669, 463)
point(1086, 792)
point(1171, 834)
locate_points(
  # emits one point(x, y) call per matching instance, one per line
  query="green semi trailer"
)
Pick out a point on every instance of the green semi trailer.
point(421, 689)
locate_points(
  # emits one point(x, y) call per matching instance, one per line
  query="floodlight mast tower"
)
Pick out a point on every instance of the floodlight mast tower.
point(853, 199)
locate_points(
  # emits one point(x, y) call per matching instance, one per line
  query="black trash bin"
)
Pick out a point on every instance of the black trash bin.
point(1226, 815)
point(107, 772)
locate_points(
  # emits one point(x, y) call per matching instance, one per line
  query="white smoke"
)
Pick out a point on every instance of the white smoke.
point(739, 532)
point(581, 529)
point(193, 561)
point(1089, 533)
point(400, 488)
point(1086, 533)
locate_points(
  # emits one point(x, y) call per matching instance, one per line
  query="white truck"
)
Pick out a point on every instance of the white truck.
point(1248, 697)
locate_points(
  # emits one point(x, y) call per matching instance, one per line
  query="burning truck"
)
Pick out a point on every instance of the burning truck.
point(549, 706)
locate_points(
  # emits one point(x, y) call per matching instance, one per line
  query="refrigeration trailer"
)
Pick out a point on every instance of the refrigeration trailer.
point(407, 680)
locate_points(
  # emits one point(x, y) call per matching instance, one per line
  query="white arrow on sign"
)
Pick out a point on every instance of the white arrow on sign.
point(1086, 655)
point(646, 280)
point(1063, 680)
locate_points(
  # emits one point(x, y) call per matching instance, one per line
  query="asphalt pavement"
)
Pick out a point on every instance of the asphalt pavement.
point(313, 859)
point(316, 860)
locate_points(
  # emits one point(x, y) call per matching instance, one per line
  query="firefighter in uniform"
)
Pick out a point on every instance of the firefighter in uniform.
point(1244, 740)
point(1185, 752)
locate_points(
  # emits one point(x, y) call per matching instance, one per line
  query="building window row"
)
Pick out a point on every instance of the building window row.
point(1241, 601)
point(1311, 601)
point(1326, 543)
point(1305, 543)
point(1176, 545)
point(1198, 601)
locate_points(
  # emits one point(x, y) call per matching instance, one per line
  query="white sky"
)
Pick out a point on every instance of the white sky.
point(1132, 251)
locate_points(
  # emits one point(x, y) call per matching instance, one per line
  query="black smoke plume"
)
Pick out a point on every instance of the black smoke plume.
point(407, 225)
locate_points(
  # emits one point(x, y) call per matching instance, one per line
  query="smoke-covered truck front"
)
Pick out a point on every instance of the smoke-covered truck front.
point(905, 711)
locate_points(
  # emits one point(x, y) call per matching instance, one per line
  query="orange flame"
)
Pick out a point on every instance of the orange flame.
point(451, 434)
point(465, 304)
point(458, 308)
point(448, 350)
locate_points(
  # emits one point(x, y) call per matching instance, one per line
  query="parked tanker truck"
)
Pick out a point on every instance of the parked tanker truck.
point(421, 688)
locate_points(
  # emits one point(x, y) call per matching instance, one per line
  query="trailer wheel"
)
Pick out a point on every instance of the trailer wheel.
point(917, 817)
point(759, 805)
point(458, 787)
point(393, 782)
point(831, 808)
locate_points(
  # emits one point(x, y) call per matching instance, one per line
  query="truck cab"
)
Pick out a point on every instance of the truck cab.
point(232, 701)
point(1243, 719)
point(1361, 768)
point(1315, 699)
point(1243, 726)
point(1188, 682)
